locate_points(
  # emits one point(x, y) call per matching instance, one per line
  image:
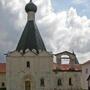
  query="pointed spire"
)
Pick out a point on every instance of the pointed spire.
point(31, 38)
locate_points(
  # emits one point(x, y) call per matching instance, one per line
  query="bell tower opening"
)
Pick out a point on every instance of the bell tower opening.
point(65, 59)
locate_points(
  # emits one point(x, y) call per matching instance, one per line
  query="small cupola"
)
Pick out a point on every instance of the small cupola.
point(30, 7)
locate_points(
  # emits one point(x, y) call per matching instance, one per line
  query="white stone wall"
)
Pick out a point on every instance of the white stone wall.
point(64, 76)
point(85, 75)
point(2, 79)
point(40, 67)
point(17, 72)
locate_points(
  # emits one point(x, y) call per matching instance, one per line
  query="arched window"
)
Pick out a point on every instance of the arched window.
point(27, 85)
point(65, 59)
point(28, 64)
point(59, 83)
point(42, 82)
point(70, 81)
point(86, 70)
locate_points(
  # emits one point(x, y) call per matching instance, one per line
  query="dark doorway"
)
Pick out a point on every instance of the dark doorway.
point(2, 88)
point(88, 88)
point(27, 85)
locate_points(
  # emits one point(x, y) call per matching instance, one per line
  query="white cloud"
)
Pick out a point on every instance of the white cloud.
point(64, 30)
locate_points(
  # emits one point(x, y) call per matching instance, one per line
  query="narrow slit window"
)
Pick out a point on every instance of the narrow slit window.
point(86, 71)
point(42, 83)
point(28, 64)
point(59, 83)
point(70, 81)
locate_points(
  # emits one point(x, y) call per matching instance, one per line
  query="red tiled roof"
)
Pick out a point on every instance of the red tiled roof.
point(66, 67)
point(2, 68)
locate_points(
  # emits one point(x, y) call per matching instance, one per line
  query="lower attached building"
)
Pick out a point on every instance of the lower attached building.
point(66, 78)
point(2, 76)
point(86, 75)
point(38, 72)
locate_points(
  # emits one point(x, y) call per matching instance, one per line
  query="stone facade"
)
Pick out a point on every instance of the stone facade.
point(68, 73)
point(41, 66)
point(85, 74)
point(18, 72)
point(65, 83)
point(2, 80)
point(67, 55)
point(2, 76)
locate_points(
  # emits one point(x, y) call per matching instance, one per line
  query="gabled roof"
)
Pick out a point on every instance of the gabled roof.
point(2, 68)
point(64, 52)
point(70, 55)
point(31, 39)
point(87, 62)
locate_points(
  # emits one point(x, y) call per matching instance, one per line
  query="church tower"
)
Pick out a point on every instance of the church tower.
point(29, 66)
point(31, 38)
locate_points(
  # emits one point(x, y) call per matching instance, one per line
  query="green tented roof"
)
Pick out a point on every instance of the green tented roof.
point(31, 39)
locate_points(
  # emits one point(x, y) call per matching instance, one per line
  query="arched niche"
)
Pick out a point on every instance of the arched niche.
point(65, 59)
point(27, 82)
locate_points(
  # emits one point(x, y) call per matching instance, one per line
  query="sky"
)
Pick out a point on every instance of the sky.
point(63, 25)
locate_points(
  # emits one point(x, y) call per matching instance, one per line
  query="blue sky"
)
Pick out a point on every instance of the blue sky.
point(82, 6)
